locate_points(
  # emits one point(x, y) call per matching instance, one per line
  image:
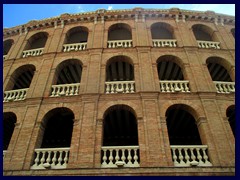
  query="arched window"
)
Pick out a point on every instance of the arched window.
point(231, 118)
point(55, 138)
point(170, 75)
point(7, 46)
point(119, 35)
point(219, 74)
point(9, 120)
point(120, 75)
point(67, 78)
point(35, 44)
point(163, 35)
point(120, 138)
point(19, 84)
point(76, 39)
point(205, 36)
point(185, 141)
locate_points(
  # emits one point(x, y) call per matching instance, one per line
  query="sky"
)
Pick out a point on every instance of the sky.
point(18, 14)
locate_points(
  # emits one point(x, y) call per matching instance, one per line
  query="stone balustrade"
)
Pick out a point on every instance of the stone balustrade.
point(224, 87)
point(120, 87)
point(33, 52)
point(119, 44)
point(190, 155)
point(4, 57)
point(120, 156)
point(4, 152)
point(65, 90)
point(164, 43)
point(74, 47)
point(15, 95)
point(208, 44)
point(174, 86)
point(51, 158)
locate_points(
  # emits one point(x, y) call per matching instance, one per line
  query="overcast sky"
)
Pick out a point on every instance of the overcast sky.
point(18, 14)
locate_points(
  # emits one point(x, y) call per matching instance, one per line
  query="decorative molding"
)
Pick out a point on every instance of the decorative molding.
point(173, 13)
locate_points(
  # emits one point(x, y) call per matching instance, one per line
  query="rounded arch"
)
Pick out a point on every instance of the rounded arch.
point(68, 71)
point(37, 40)
point(203, 32)
point(219, 68)
point(7, 44)
point(181, 124)
point(195, 110)
point(119, 68)
point(57, 126)
point(77, 34)
point(230, 113)
point(162, 30)
point(120, 126)
point(119, 31)
point(170, 68)
point(21, 77)
point(9, 120)
point(134, 108)
point(119, 106)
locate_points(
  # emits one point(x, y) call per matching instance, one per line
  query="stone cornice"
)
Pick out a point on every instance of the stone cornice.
point(138, 14)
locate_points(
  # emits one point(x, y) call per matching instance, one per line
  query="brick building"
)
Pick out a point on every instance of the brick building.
point(120, 92)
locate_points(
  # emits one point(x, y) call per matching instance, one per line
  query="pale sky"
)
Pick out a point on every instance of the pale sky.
point(18, 14)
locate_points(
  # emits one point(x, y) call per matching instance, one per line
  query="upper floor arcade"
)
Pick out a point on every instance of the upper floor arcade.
point(123, 32)
point(120, 75)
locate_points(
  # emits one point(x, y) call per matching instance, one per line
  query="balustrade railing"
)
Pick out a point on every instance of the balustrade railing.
point(65, 90)
point(208, 44)
point(224, 87)
point(120, 156)
point(51, 158)
point(190, 155)
point(174, 86)
point(74, 47)
point(33, 52)
point(164, 43)
point(4, 57)
point(15, 95)
point(4, 152)
point(119, 43)
point(120, 87)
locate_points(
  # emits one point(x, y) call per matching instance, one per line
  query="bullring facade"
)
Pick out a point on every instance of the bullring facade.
point(120, 92)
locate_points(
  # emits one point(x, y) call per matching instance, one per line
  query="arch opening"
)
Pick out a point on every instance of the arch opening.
point(162, 31)
point(181, 125)
point(120, 31)
point(9, 120)
point(120, 127)
point(77, 35)
point(58, 125)
point(231, 118)
point(7, 46)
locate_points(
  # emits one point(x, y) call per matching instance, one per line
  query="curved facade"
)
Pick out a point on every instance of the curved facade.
point(136, 92)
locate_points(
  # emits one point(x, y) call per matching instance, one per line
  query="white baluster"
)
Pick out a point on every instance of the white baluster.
point(199, 157)
point(187, 157)
point(135, 157)
point(123, 155)
point(110, 158)
point(65, 159)
point(104, 157)
point(36, 159)
point(60, 159)
point(54, 158)
point(174, 157)
point(129, 158)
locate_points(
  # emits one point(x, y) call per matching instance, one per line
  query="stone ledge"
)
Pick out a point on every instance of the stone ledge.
point(142, 171)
